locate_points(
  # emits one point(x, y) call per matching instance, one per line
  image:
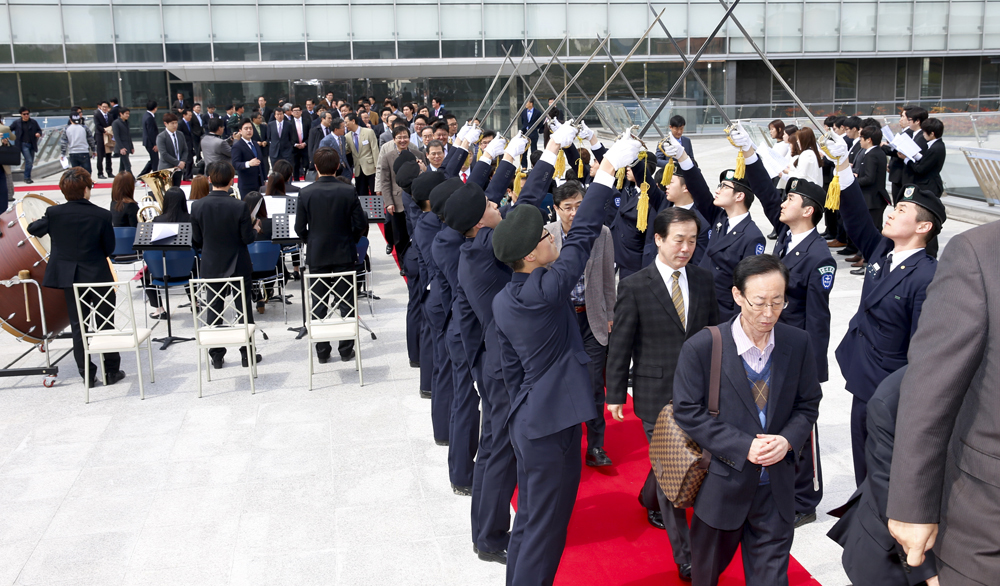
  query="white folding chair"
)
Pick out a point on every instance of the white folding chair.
point(332, 313)
point(107, 324)
point(220, 321)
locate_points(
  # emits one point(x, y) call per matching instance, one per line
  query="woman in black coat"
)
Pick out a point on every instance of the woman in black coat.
point(124, 208)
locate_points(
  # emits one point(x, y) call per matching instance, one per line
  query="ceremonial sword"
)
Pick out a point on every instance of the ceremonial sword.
point(533, 88)
point(549, 83)
point(506, 85)
point(629, 85)
point(604, 120)
point(495, 78)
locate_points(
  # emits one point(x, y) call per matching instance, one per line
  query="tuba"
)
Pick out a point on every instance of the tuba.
point(151, 204)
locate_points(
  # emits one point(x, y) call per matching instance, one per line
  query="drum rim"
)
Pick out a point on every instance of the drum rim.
point(19, 212)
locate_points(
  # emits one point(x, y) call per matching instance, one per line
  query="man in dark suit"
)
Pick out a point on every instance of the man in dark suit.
point(924, 170)
point(178, 105)
point(246, 159)
point(910, 120)
point(318, 133)
point(335, 140)
point(943, 487)
point(677, 124)
point(199, 124)
point(869, 165)
point(896, 279)
point(116, 110)
point(266, 113)
point(261, 138)
point(546, 431)
point(300, 142)
point(221, 228)
point(123, 140)
point(184, 126)
point(437, 108)
point(27, 133)
point(659, 308)
point(768, 402)
point(102, 122)
point(330, 222)
point(81, 239)
point(149, 133)
point(871, 554)
point(528, 117)
point(282, 138)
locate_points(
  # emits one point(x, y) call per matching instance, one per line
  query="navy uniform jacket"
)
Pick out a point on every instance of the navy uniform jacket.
point(725, 249)
point(446, 249)
point(545, 366)
point(811, 272)
point(728, 491)
point(82, 238)
point(879, 333)
point(438, 300)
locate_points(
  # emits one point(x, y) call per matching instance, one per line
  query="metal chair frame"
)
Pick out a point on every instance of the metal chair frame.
point(333, 327)
point(225, 328)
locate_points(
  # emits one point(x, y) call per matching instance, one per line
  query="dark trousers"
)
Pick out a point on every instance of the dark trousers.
point(895, 187)
point(80, 160)
point(152, 163)
point(426, 353)
point(390, 233)
point(859, 435)
point(400, 235)
point(364, 184)
point(766, 541)
point(877, 213)
point(443, 381)
point(674, 519)
point(324, 288)
point(112, 360)
point(124, 164)
point(598, 361)
point(104, 159)
point(300, 163)
point(806, 498)
point(463, 423)
point(414, 315)
point(495, 474)
point(548, 477)
point(831, 219)
point(215, 314)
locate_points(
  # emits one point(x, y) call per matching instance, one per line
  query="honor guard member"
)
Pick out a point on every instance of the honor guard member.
point(895, 286)
point(405, 169)
point(811, 270)
point(630, 242)
point(732, 234)
point(416, 277)
point(545, 369)
point(482, 276)
point(221, 228)
point(330, 222)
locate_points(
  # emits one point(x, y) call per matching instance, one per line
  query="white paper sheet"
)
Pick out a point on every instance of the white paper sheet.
point(274, 205)
point(887, 134)
point(774, 163)
point(163, 231)
point(190, 205)
point(905, 145)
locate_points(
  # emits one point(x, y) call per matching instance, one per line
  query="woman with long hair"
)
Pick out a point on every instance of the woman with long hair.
point(283, 168)
point(199, 187)
point(275, 183)
point(255, 201)
point(777, 130)
point(124, 208)
point(807, 166)
point(279, 184)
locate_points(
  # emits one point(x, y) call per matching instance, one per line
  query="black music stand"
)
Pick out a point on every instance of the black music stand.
point(374, 208)
point(182, 241)
point(283, 233)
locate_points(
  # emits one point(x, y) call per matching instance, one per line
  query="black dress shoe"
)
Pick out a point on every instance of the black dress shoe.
point(29, 181)
point(425, 394)
point(684, 572)
point(246, 360)
point(499, 557)
point(858, 271)
point(297, 275)
point(100, 176)
point(348, 357)
point(441, 442)
point(804, 519)
point(388, 249)
point(854, 258)
point(114, 377)
point(323, 358)
point(462, 491)
point(597, 457)
point(414, 364)
point(848, 251)
point(217, 362)
point(655, 518)
point(773, 235)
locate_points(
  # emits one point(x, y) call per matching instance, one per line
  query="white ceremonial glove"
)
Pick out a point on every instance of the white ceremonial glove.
point(496, 146)
point(741, 137)
point(623, 152)
point(585, 133)
point(517, 146)
point(565, 134)
point(671, 148)
point(553, 124)
point(473, 134)
point(836, 145)
point(463, 132)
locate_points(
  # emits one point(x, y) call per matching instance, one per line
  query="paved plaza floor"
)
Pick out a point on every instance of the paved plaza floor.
point(340, 485)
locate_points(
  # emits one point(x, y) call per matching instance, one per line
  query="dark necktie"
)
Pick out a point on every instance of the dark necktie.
point(784, 249)
point(887, 268)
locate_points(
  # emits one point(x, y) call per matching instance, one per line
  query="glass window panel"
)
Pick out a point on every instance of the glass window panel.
point(371, 23)
point(784, 27)
point(702, 19)
point(498, 47)
point(752, 18)
point(187, 52)
point(140, 53)
point(137, 24)
point(821, 32)
point(846, 83)
point(234, 24)
point(546, 21)
point(9, 100)
point(186, 24)
point(91, 87)
point(900, 78)
point(894, 26)
point(5, 56)
point(991, 20)
point(462, 49)
point(461, 22)
point(138, 87)
point(787, 71)
point(281, 24)
point(87, 53)
point(857, 28)
point(989, 80)
point(236, 52)
point(506, 21)
point(965, 25)
point(417, 49)
point(154, 2)
point(90, 24)
point(930, 77)
point(586, 21)
point(580, 47)
point(36, 25)
point(675, 18)
point(38, 53)
point(329, 50)
point(930, 26)
point(34, 1)
point(4, 27)
point(282, 51)
point(374, 50)
point(326, 23)
point(44, 92)
point(420, 23)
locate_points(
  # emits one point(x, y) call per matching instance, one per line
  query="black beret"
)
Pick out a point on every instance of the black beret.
point(729, 175)
point(406, 173)
point(925, 199)
point(643, 169)
point(518, 234)
point(420, 189)
point(465, 207)
point(403, 157)
point(806, 188)
point(441, 193)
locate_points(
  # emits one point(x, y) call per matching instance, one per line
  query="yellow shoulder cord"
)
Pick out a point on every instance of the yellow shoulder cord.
point(559, 169)
point(642, 207)
point(832, 192)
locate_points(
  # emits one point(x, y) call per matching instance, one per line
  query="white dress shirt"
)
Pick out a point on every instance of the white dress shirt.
point(797, 239)
point(734, 221)
point(899, 258)
point(667, 274)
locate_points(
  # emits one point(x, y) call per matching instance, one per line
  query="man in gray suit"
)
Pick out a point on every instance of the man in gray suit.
point(944, 486)
point(172, 147)
point(214, 146)
point(594, 302)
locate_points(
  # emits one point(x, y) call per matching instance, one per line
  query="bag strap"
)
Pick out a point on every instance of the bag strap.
point(714, 382)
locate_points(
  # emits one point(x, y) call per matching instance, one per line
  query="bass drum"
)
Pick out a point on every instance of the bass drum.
point(22, 251)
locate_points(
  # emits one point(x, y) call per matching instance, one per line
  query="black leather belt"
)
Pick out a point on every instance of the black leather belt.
point(580, 308)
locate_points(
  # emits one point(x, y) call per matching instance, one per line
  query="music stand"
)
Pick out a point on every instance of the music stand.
point(283, 233)
point(182, 241)
point(374, 207)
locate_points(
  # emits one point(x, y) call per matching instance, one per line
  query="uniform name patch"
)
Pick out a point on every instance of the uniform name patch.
point(760, 249)
point(826, 276)
point(618, 202)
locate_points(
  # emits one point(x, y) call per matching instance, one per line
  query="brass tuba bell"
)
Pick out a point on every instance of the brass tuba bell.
point(151, 204)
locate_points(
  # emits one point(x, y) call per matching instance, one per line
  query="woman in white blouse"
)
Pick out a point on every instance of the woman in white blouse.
point(807, 165)
point(781, 146)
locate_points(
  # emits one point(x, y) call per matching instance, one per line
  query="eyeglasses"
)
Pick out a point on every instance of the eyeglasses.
point(727, 186)
point(545, 234)
point(761, 306)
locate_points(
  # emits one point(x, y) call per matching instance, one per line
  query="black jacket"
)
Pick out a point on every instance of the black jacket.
point(329, 219)
point(647, 330)
point(127, 218)
point(870, 168)
point(221, 228)
point(281, 146)
point(149, 130)
point(250, 178)
point(926, 173)
point(123, 137)
point(896, 165)
point(82, 238)
point(24, 132)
